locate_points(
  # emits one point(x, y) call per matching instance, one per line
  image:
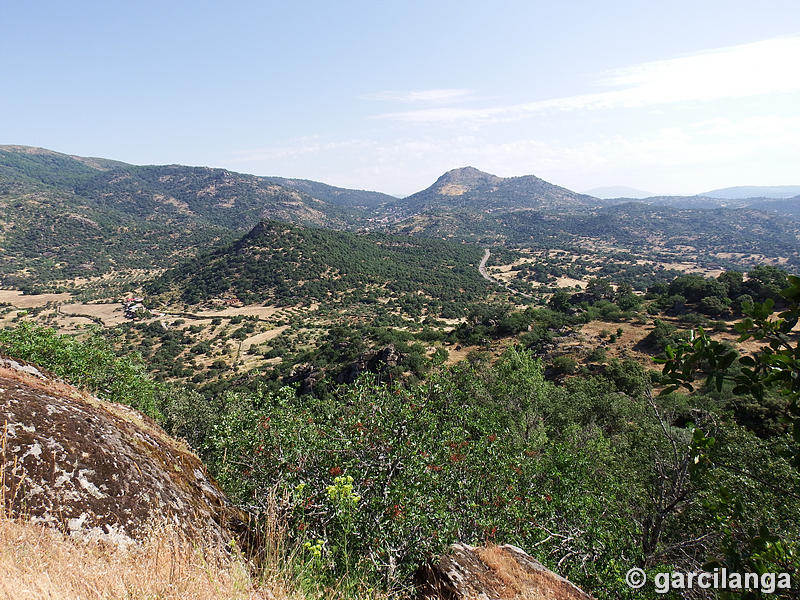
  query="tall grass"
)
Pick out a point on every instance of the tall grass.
point(38, 562)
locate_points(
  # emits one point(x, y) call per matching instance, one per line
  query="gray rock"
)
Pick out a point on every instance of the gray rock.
point(98, 470)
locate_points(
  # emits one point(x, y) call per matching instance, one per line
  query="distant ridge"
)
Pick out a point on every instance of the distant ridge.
point(343, 197)
point(755, 191)
point(63, 216)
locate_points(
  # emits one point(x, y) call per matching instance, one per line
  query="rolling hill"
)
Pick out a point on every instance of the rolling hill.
point(65, 216)
point(279, 262)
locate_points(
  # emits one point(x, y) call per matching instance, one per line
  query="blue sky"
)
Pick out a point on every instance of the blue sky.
point(669, 97)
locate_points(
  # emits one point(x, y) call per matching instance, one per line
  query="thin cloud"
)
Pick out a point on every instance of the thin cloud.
point(760, 68)
point(437, 95)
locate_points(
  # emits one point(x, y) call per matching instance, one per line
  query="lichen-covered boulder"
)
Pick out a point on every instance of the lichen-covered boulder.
point(99, 470)
point(492, 573)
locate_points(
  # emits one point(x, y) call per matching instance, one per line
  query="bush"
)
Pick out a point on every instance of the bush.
point(565, 365)
point(91, 364)
point(598, 355)
point(662, 335)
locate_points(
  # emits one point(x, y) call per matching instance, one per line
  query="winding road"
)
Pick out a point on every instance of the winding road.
point(485, 274)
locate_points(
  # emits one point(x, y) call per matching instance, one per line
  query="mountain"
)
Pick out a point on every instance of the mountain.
point(174, 193)
point(469, 205)
point(63, 216)
point(789, 207)
point(279, 262)
point(346, 198)
point(755, 191)
point(473, 190)
point(617, 191)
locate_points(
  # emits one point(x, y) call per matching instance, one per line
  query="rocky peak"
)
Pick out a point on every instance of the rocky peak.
point(468, 177)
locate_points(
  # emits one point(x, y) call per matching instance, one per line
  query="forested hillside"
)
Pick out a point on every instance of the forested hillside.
point(64, 217)
point(595, 474)
point(278, 262)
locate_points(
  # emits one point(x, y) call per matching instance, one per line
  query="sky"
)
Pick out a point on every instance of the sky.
point(671, 97)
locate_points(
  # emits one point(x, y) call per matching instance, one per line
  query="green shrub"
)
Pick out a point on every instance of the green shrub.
point(91, 364)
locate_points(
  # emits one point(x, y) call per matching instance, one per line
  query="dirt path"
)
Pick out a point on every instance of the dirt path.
point(482, 266)
point(485, 274)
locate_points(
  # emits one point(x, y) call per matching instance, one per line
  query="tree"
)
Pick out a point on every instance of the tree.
point(600, 289)
point(733, 281)
point(775, 366)
point(766, 282)
point(560, 301)
point(713, 306)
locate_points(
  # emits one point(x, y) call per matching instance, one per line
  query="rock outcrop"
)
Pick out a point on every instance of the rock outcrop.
point(492, 573)
point(373, 361)
point(99, 470)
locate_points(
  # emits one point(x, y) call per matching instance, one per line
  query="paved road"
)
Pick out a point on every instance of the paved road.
point(485, 274)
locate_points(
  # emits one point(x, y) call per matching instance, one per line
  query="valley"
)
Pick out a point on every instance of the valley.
point(259, 278)
point(479, 357)
point(400, 301)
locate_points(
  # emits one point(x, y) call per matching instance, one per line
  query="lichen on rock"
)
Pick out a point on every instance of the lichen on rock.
point(98, 470)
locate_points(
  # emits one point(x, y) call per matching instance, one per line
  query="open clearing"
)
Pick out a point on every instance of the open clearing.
point(109, 314)
point(19, 300)
point(260, 338)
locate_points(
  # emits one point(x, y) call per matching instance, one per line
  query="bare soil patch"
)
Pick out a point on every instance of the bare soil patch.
point(18, 299)
point(109, 314)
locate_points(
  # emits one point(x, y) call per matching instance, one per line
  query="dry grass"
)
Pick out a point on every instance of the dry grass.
point(37, 562)
point(111, 314)
point(19, 300)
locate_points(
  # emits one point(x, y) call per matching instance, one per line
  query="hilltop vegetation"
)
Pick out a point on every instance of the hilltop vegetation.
point(278, 262)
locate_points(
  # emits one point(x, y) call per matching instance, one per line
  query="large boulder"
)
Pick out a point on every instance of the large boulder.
point(492, 573)
point(99, 470)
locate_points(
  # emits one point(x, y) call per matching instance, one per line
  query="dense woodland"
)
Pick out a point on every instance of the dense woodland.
point(277, 262)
